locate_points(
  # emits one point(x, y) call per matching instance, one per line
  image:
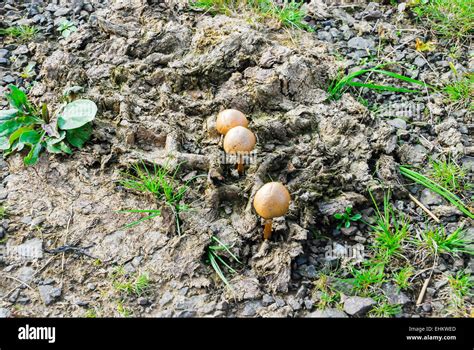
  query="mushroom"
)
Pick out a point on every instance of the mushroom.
point(240, 141)
point(230, 118)
point(271, 200)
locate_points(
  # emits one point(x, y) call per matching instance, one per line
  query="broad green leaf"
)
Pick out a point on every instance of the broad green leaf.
point(16, 135)
point(10, 126)
point(76, 114)
point(17, 98)
point(338, 216)
point(30, 137)
point(51, 140)
point(78, 137)
point(33, 155)
point(60, 147)
point(8, 114)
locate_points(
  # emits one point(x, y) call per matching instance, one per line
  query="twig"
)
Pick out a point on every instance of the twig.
point(423, 291)
point(427, 281)
point(427, 211)
point(18, 280)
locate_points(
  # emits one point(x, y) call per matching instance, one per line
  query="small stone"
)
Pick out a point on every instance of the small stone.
point(426, 307)
point(419, 62)
point(37, 221)
point(222, 305)
point(91, 286)
point(62, 11)
point(250, 309)
point(4, 61)
point(4, 53)
point(308, 271)
point(14, 296)
point(4, 312)
point(166, 298)
point(280, 302)
point(143, 301)
point(308, 304)
point(8, 79)
point(358, 306)
point(349, 231)
point(49, 294)
point(360, 43)
point(324, 36)
point(267, 299)
point(25, 274)
point(294, 303)
point(394, 295)
point(398, 123)
point(81, 303)
point(429, 198)
point(327, 313)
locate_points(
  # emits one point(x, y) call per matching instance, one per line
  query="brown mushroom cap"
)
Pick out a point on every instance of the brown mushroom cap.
point(230, 118)
point(272, 200)
point(239, 139)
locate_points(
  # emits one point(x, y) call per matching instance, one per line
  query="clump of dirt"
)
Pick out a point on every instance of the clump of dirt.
point(159, 78)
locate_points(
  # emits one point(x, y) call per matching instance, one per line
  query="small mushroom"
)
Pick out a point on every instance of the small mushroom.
point(230, 118)
point(271, 200)
point(240, 141)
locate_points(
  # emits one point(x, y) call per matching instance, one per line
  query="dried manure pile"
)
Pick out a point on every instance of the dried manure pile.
point(126, 203)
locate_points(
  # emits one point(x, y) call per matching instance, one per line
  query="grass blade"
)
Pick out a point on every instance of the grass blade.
point(226, 249)
point(400, 77)
point(433, 186)
point(382, 87)
point(218, 270)
point(225, 264)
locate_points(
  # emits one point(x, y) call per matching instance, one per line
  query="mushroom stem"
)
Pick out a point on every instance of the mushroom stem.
point(240, 165)
point(267, 231)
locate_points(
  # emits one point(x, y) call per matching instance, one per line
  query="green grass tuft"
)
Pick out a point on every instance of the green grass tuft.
point(160, 182)
point(23, 33)
point(137, 286)
point(341, 83)
point(367, 278)
point(402, 277)
point(449, 18)
point(290, 13)
point(220, 262)
point(438, 241)
point(433, 186)
point(390, 230)
point(449, 175)
point(461, 91)
point(385, 310)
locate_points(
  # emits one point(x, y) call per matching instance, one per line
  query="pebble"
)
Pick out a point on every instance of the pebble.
point(328, 313)
point(8, 79)
point(49, 294)
point(358, 306)
point(398, 123)
point(360, 43)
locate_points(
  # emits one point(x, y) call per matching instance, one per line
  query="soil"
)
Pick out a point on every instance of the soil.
point(159, 74)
